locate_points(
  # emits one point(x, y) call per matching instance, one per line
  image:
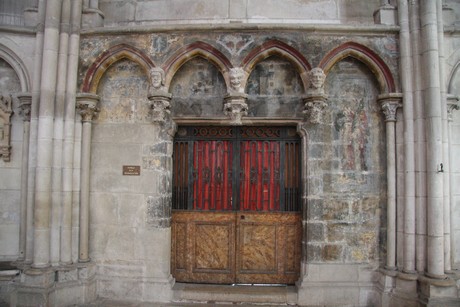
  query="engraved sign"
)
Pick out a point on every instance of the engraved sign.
point(131, 170)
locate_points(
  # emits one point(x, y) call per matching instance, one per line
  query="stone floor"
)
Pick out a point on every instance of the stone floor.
point(111, 303)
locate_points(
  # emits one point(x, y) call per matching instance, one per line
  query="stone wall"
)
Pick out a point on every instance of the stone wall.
point(205, 11)
point(345, 212)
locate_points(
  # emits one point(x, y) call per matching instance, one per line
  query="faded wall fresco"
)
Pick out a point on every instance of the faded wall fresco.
point(275, 89)
point(198, 89)
point(123, 93)
point(349, 153)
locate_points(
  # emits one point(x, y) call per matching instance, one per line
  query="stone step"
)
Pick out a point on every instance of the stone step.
point(268, 295)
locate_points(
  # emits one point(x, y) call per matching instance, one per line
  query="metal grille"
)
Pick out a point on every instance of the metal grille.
point(253, 168)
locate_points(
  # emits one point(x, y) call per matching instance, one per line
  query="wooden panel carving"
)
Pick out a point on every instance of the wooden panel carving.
point(209, 251)
point(236, 247)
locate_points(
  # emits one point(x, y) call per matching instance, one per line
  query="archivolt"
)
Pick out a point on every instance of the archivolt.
point(110, 56)
point(365, 55)
point(275, 47)
point(197, 49)
point(15, 62)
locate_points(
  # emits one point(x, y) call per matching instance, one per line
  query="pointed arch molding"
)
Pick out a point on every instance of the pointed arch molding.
point(110, 56)
point(18, 66)
point(196, 49)
point(276, 47)
point(368, 57)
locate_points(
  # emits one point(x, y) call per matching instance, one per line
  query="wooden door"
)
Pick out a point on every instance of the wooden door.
point(237, 201)
point(236, 247)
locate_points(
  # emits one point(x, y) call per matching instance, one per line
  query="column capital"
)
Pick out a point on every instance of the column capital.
point(452, 105)
point(160, 104)
point(87, 105)
point(25, 103)
point(314, 105)
point(389, 104)
point(235, 107)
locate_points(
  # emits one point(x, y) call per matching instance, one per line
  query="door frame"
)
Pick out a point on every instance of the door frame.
point(302, 131)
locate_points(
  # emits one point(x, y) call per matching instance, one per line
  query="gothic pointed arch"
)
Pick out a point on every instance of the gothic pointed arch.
point(18, 66)
point(197, 49)
point(367, 56)
point(279, 48)
point(109, 57)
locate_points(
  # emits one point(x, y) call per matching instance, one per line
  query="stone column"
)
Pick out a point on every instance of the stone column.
point(69, 133)
point(433, 130)
point(452, 105)
point(87, 105)
point(25, 101)
point(42, 206)
point(390, 104)
point(409, 154)
point(36, 81)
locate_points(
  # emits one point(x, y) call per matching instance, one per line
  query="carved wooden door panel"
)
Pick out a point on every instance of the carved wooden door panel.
point(268, 248)
point(236, 200)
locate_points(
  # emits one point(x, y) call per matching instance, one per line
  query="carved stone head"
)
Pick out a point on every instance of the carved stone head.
point(236, 79)
point(316, 78)
point(157, 77)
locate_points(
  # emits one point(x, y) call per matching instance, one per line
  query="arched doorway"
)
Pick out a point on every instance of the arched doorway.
point(236, 205)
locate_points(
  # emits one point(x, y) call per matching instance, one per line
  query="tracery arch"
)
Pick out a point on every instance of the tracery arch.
point(18, 66)
point(281, 49)
point(197, 49)
point(367, 56)
point(109, 57)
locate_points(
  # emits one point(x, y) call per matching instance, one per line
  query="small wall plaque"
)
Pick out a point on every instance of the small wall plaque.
point(131, 170)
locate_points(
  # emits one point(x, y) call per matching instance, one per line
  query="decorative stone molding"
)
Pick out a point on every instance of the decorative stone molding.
point(6, 110)
point(235, 107)
point(315, 99)
point(452, 105)
point(25, 103)
point(389, 104)
point(87, 105)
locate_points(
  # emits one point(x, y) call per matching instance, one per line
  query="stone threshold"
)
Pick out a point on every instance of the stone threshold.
point(271, 295)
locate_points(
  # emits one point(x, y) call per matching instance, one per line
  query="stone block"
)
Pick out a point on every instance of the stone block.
point(237, 9)
point(121, 288)
point(332, 252)
point(9, 238)
point(385, 15)
point(303, 10)
point(180, 10)
point(315, 232)
point(118, 10)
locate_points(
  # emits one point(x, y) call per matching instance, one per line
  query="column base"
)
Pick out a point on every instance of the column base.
point(56, 286)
